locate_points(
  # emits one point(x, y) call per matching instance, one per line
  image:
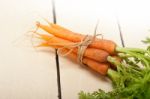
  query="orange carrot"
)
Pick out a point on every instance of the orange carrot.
point(95, 54)
point(61, 32)
point(96, 66)
point(68, 36)
point(59, 27)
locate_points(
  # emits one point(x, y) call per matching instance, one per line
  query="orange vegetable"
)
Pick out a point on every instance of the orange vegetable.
point(94, 65)
point(63, 33)
point(95, 54)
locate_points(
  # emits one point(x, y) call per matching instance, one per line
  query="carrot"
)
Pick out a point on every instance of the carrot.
point(59, 27)
point(95, 54)
point(72, 37)
point(96, 66)
point(61, 32)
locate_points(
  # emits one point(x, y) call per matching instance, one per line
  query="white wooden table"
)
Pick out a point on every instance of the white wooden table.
point(29, 74)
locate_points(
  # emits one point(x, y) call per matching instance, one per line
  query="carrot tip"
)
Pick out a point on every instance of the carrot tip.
point(44, 44)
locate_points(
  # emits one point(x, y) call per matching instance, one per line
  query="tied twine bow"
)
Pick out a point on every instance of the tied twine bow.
point(85, 42)
point(82, 45)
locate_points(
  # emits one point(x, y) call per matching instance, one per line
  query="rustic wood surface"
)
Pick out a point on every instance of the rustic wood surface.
point(28, 73)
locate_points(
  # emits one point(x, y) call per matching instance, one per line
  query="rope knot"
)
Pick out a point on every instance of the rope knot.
point(82, 46)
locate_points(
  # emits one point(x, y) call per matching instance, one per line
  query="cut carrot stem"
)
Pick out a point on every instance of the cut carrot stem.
point(103, 44)
point(117, 58)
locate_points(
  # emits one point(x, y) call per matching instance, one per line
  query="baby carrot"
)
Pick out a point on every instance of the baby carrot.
point(92, 53)
point(95, 54)
point(74, 57)
point(96, 66)
point(58, 27)
point(61, 32)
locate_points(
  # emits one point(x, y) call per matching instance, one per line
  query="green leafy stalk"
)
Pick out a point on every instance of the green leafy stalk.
point(131, 80)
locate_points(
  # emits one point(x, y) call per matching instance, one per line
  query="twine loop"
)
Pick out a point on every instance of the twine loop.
point(82, 46)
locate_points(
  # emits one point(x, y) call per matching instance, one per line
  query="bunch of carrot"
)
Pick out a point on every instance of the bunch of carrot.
point(96, 54)
point(131, 78)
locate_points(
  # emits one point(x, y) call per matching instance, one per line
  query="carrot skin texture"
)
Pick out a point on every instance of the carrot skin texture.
point(101, 68)
point(58, 27)
point(98, 43)
point(96, 66)
point(95, 54)
point(92, 53)
point(103, 44)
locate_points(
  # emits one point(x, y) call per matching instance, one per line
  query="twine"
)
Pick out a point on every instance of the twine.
point(82, 46)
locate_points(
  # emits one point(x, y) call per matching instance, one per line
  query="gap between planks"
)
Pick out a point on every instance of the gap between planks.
point(56, 55)
point(120, 32)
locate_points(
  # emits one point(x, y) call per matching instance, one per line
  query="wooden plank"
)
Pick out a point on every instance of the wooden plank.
point(81, 16)
point(25, 72)
point(135, 22)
